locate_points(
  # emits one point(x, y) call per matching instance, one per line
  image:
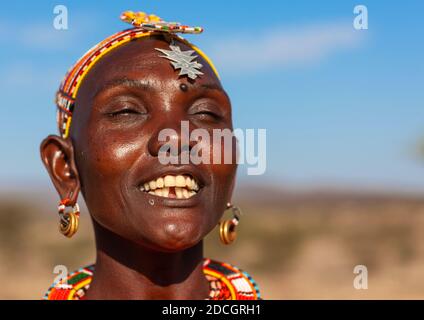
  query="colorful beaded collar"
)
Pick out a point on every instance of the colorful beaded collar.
point(226, 282)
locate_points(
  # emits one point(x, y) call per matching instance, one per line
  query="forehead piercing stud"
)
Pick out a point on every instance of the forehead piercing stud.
point(183, 87)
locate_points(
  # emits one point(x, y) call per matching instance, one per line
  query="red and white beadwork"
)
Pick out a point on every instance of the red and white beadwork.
point(143, 25)
point(226, 282)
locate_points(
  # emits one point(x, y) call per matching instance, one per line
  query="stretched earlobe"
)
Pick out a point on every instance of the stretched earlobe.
point(57, 155)
point(232, 186)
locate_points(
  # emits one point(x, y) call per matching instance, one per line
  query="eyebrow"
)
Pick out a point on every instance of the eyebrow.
point(211, 86)
point(214, 86)
point(147, 85)
point(124, 82)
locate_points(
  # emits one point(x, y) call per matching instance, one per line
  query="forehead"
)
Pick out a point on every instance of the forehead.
point(139, 59)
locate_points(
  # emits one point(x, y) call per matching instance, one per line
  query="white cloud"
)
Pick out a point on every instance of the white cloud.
point(42, 36)
point(280, 47)
point(24, 75)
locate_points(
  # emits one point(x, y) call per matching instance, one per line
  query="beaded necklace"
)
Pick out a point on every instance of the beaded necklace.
point(226, 282)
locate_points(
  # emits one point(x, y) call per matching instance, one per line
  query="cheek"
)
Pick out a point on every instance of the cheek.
point(219, 156)
point(109, 151)
point(223, 171)
point(109, 159)
point(223, 177)
point(104, 167)
point(224, 161)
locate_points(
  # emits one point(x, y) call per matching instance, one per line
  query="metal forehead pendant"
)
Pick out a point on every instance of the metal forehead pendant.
point(183, 60)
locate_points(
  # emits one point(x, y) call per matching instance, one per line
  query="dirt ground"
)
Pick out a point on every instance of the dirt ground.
point(295, 247)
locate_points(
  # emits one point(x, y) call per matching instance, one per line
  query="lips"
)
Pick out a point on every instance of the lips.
point(182, 186)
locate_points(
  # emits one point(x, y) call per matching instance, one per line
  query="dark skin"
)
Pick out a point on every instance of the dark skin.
point(145, 249)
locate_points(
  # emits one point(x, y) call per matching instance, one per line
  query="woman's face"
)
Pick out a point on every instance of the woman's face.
point(127, 98)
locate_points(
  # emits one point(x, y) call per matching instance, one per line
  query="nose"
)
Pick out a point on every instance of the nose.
point(171, 140)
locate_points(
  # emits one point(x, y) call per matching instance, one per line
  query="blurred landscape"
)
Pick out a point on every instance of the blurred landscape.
point(296, 244)
point(340, 105)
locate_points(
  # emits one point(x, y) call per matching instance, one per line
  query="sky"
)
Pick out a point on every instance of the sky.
point(342, 107)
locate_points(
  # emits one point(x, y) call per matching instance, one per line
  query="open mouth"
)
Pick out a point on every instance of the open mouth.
point(172, 186)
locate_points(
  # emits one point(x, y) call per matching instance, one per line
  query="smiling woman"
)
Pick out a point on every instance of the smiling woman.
point(149, 219)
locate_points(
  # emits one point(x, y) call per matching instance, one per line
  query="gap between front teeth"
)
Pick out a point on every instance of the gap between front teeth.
point(183, 186)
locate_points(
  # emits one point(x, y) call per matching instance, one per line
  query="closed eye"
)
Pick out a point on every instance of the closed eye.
point(123, 112)
point(206, 114)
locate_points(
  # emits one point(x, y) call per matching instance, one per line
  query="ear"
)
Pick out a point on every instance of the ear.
point(57, 155)
point(233, 183)
point(236, 152)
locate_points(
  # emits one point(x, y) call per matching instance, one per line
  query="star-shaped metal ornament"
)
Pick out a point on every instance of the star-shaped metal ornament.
point(183, 60)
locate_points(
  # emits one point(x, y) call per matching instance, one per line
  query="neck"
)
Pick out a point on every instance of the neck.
point(126, 270)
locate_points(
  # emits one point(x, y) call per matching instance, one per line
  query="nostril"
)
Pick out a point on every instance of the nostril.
point(169, 143)
point(163, 142)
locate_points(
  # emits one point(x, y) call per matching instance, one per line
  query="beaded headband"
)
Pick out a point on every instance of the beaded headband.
point(143, 26)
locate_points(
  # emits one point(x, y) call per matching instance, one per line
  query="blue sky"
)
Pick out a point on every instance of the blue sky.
point(342, 107)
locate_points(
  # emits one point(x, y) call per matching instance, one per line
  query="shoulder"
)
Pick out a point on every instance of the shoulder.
point(230, 282)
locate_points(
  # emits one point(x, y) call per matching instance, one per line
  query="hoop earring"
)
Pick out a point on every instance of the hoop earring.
point(69, 221)
point(227, 228)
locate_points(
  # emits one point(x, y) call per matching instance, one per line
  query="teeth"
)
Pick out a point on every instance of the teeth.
point(152, 185)
point(195, 186)
point(188, 182)
point(159, 183)
point(179, 192)
point(165, 192)
point(185, 193)
point(185, 187)
point(169, 181)
point(180, 181)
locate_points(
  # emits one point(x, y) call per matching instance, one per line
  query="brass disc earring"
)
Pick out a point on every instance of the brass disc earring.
point(69, 221)
point(227, 228)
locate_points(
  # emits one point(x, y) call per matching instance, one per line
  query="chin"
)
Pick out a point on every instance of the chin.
point(179, 236)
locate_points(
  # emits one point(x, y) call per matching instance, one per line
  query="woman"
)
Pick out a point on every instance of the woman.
point(149, 218)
